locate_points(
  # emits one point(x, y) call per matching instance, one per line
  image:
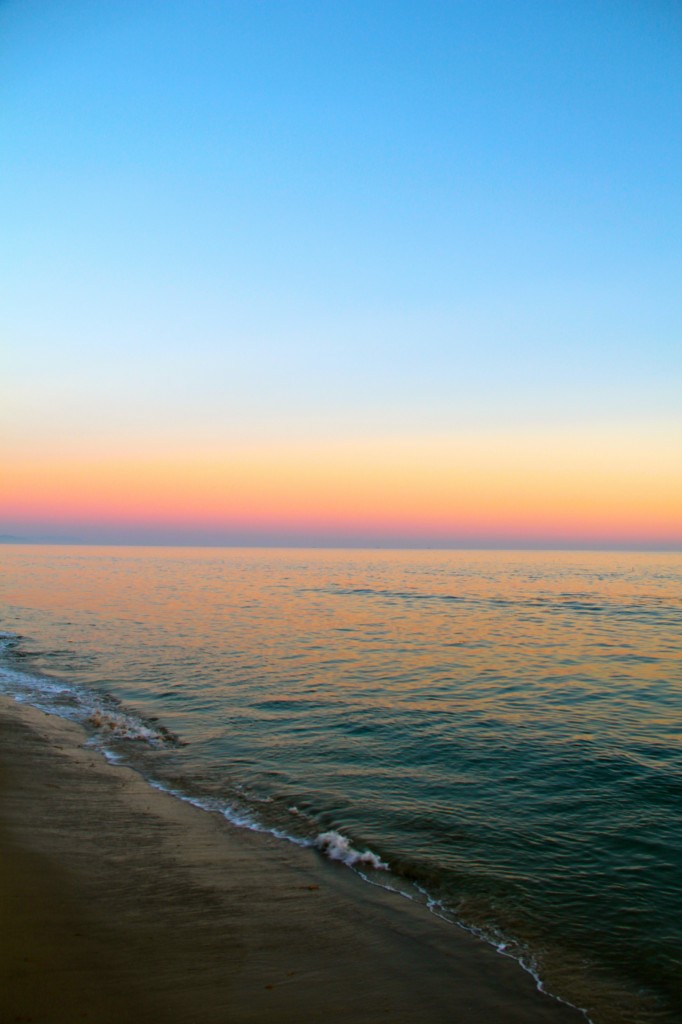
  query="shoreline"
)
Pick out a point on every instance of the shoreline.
point(121, 901)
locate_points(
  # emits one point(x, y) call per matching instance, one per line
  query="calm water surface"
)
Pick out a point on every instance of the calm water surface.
point(501, 730)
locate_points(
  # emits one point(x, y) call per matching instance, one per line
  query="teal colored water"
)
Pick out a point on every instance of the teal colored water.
point(498, 733)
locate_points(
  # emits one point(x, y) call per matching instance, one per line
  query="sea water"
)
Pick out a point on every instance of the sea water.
point(496, 734)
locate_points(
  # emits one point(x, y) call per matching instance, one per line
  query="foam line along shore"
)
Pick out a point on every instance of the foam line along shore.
point(124, 903)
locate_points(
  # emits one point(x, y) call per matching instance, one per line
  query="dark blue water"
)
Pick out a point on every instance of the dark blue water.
point(498, 733)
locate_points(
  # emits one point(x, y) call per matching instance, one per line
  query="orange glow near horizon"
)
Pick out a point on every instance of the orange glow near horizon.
point(564, 487)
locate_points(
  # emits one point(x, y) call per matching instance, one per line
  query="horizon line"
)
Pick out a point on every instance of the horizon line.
point(10, 541)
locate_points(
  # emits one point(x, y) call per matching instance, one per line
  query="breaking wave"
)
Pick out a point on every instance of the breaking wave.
point(337, 847)
point(102, 715)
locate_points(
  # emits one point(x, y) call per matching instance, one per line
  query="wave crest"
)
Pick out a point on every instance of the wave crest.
point(128, 727)
point(102, 713)
point(337, 847)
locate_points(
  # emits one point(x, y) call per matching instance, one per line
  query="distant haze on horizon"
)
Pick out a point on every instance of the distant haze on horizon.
point(291, 273)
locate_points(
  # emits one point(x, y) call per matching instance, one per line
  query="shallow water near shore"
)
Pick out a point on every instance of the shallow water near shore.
point(495, 732)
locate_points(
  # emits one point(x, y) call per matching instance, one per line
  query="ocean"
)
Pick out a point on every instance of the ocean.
point(496, 734)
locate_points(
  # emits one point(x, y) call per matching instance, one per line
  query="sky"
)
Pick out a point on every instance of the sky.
point(357, 273)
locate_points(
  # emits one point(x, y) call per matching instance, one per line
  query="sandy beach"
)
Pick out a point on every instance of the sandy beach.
point(122, 903)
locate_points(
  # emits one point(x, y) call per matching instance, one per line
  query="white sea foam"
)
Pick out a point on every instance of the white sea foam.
point(236, 816)
point(102, 715)
point(337, 847)
point(125, 726)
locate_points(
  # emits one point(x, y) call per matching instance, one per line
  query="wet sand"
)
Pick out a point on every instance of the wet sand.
point(120, 903)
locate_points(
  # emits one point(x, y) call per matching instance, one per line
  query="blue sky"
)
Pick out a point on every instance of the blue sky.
point(263, 219)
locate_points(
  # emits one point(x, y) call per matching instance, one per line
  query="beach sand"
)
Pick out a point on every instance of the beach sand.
point(121, 903)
